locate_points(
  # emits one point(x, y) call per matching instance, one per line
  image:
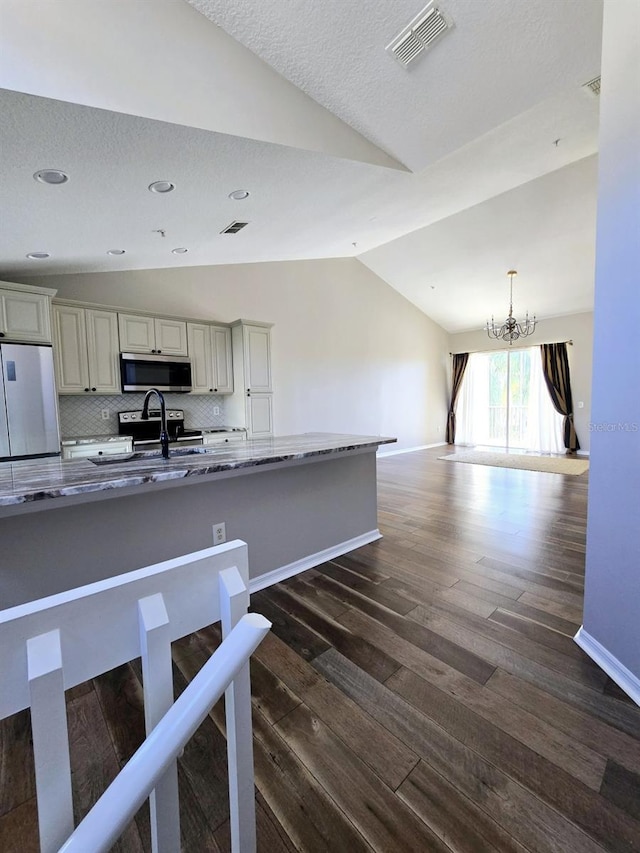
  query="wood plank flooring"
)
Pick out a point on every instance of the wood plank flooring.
point(422, 693)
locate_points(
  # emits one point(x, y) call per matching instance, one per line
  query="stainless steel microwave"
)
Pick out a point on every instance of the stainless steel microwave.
point(142, 371)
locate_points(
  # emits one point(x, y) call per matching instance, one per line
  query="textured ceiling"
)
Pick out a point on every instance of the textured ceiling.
point(500, 106)
point(500, 59)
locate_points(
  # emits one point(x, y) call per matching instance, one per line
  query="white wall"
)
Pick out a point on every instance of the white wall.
point(186, 70)
point(612, 597)
point(575, 327)
point(349, 353)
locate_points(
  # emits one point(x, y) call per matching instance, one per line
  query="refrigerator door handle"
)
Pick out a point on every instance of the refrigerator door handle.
point(11, 371)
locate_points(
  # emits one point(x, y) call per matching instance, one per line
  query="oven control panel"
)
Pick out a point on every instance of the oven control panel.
point(154, 415)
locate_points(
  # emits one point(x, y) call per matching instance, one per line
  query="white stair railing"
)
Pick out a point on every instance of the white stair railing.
point(122, 799)
point(51, 645)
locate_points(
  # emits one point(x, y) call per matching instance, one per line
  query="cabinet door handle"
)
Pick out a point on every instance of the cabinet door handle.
point(86, 390)
point(152, 350)
point(2, 335)
point(159, 351)
point(248, 392)
point(93, 389)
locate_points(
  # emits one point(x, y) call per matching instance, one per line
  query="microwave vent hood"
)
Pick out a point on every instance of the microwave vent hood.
point(143, 371)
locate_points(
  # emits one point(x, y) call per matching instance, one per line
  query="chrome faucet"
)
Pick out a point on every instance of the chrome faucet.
point(164, 435)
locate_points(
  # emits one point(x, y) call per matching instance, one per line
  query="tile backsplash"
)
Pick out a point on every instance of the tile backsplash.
point(83, 415)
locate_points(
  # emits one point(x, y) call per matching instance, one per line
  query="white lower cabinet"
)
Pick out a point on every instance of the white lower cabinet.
point(98, 448)
point(260, 415)
point(223, 438)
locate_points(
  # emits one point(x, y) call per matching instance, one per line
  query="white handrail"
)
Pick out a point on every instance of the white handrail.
point(116, 807)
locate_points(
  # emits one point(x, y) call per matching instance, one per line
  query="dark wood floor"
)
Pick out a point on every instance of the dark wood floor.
point(422, 693)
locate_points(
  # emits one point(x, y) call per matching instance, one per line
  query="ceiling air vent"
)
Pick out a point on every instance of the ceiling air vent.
point(419, 35)
point(234, 228)
point(593, 85)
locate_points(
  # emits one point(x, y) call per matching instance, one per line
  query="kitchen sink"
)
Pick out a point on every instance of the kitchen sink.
point(145, 456)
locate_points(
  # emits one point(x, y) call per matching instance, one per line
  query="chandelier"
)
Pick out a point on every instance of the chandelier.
point(511, 329)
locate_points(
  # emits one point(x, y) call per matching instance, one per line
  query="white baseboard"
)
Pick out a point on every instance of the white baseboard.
point(582, 453)
point(312, 560)
point(409, 449)
point(619, 673)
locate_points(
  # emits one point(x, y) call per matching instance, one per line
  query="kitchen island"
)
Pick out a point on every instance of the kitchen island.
point(296, 500)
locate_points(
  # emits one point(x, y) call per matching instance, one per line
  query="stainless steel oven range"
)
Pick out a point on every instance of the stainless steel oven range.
point(146, 433)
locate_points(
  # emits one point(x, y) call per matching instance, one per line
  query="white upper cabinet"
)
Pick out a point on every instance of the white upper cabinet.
point(222, 359)
point(257, 357)
point(152, 334)
point(25, 313)
point(210, 354)
point(171, 337)
point(86, 351)
point(137, 334)
point(104, 351)
point(199, 343)
point(70, 349)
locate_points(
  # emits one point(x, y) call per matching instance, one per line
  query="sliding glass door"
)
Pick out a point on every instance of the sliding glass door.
point(509, 375)
point(504, 402)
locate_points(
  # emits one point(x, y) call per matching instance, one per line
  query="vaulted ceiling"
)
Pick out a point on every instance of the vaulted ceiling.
point(478, 157)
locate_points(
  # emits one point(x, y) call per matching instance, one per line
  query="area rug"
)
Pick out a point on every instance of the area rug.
point(548, 464)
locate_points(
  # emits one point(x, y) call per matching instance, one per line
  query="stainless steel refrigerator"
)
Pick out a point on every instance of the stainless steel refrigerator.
point(28, 402)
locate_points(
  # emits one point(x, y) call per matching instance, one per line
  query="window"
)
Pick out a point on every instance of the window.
point(504, 402)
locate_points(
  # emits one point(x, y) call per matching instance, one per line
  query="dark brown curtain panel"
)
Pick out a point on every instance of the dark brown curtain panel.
point(459, 366)
point(555, 366)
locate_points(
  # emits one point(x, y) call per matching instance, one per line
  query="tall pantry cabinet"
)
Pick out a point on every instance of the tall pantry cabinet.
point(251, 403)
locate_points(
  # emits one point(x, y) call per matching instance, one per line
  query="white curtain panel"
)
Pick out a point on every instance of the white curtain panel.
point(544, 423)
point(472, 414)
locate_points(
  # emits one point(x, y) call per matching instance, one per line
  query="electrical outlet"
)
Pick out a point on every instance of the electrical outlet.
point(216, 410)
point(219, 533)
point(104, 414)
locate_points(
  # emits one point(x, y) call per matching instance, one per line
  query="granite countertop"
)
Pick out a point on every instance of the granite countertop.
point(27, 481)
point(211, 429)
point(71, 440)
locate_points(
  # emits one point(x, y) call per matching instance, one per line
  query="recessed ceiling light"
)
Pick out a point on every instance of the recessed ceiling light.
point(161, 187)
point(38, 256)
point(179, 251)
point(115, 251)
point(51, 176)
point(239, 195)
